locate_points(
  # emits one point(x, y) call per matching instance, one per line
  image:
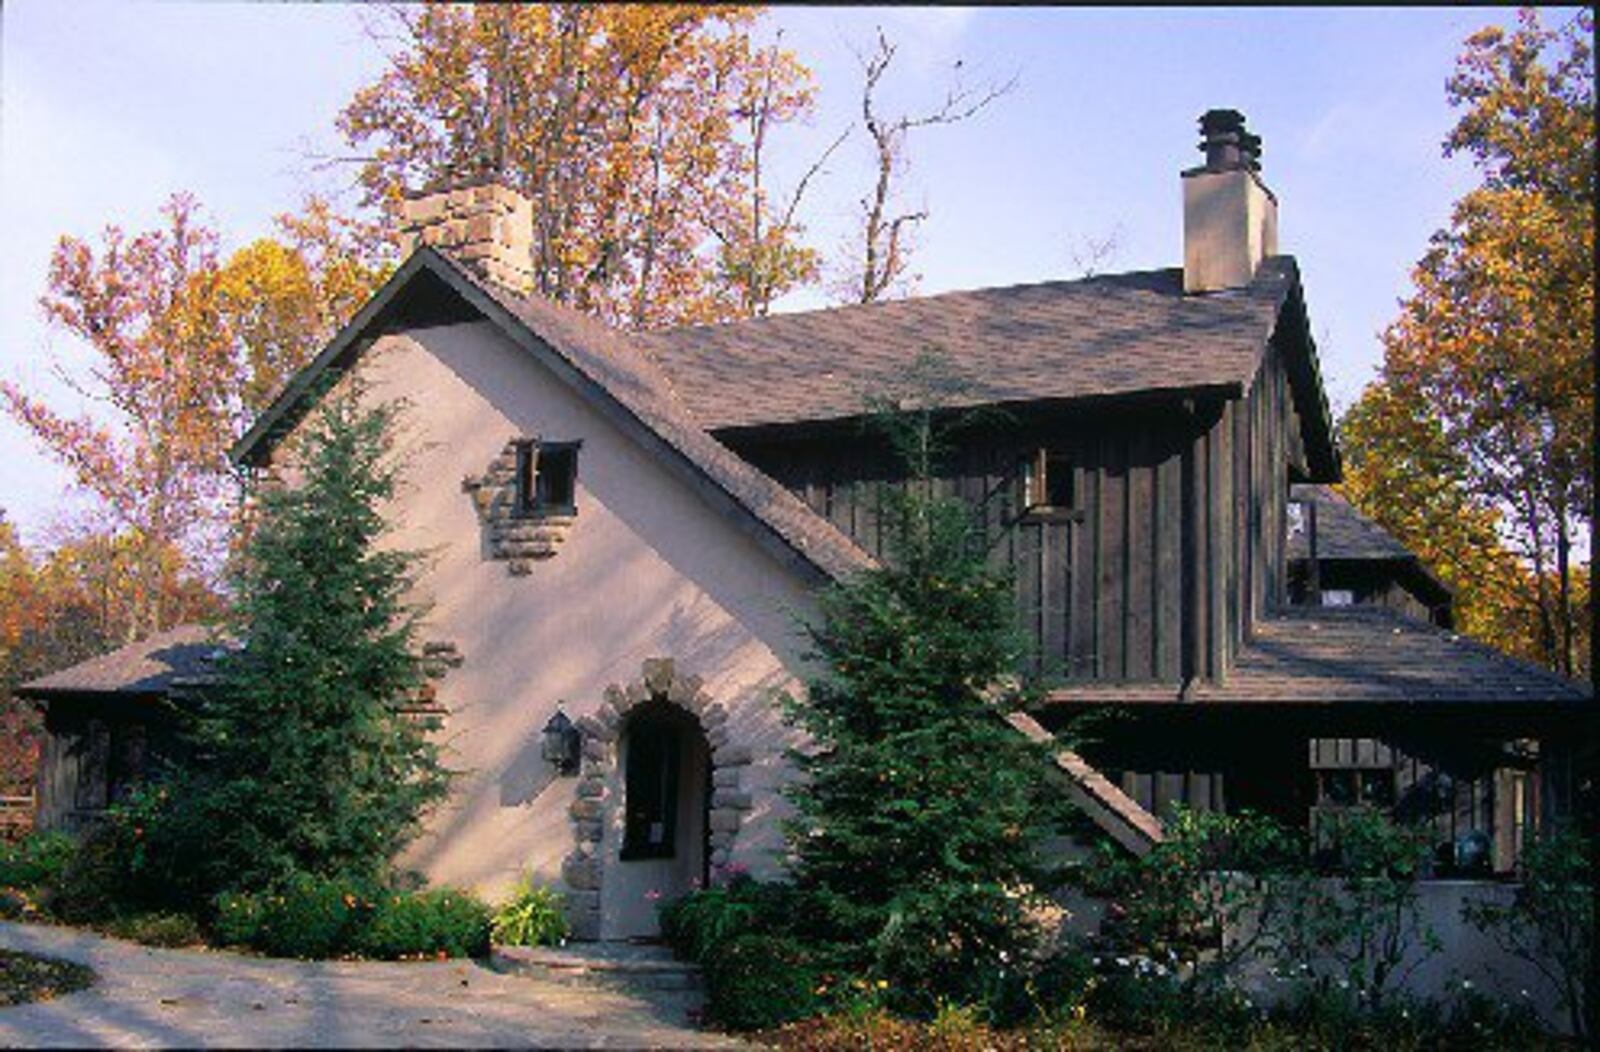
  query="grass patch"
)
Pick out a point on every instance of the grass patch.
point(24, 977)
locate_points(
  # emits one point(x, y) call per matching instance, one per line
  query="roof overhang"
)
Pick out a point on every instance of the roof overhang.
point(442, 291)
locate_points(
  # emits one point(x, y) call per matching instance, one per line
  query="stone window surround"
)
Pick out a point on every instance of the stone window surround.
point(583, 871)
point(512, 535)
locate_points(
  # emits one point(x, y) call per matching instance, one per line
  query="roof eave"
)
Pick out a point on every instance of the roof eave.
point(258, 442)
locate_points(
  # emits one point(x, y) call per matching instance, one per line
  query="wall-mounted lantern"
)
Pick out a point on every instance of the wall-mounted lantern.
point(562, 743)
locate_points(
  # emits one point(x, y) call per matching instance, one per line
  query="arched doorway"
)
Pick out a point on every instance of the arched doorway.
point(661, 820)
point(612, 898)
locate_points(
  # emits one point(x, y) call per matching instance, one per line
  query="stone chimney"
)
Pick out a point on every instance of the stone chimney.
point(483, 224)
point(1230, 218)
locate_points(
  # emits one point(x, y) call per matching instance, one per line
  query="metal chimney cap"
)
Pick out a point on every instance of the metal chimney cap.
point(1226, 143)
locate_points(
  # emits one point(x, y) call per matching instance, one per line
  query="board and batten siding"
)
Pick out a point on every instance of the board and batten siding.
point(1175, 546)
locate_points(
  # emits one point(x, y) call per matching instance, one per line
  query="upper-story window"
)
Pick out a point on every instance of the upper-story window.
point(547, 477)
point(1047, 483)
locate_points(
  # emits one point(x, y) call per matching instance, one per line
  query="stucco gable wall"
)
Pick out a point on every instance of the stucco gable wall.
point(648, 569)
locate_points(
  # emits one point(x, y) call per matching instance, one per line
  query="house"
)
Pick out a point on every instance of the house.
point(625, 527)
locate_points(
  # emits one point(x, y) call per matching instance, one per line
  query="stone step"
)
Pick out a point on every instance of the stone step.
point(611, 964)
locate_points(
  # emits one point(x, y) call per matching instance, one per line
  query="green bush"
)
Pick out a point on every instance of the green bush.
point(93, 885)
point(441, 921)
point(315, 917)
point(1550, 921)
point(535, 916)
point(37, 859)
point(698, 925)
point(158, 928)
point(311, 917)
point(760, 981)
point(236, 918)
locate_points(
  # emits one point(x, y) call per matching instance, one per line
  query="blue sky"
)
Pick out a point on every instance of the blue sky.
point(106, 108)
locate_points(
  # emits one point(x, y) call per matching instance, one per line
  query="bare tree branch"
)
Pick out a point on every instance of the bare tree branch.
point(886, 236)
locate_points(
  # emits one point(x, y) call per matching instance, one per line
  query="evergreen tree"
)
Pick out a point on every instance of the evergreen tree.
point(921, 810)
point(302, 761)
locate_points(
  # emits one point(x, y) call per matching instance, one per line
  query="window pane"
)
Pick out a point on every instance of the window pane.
point(557, 472)
point(1377, 787)
point(651, 794)
point(1058, 480)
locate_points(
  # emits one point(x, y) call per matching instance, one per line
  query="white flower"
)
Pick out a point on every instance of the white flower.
point(1466, 984)
point(1344, 984)
point(1122, 962)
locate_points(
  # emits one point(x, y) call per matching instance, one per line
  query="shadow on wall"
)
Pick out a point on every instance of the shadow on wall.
point(528, 774)
point(723, 574)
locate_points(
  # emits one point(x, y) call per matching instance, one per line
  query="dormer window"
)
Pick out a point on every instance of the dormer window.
point(547, 477)
point(1047, 483)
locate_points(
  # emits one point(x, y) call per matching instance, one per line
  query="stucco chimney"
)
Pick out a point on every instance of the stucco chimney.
point(1230, 218)
point(482, 223)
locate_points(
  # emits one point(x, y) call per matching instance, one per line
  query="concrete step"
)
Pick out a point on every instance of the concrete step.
point(623, 965)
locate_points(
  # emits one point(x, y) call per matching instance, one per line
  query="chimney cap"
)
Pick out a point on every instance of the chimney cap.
point(1228, 146)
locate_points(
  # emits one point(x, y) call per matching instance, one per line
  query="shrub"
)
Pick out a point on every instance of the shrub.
point(699, 924)
point(441, 921)
point(93, 885)
point(236, 918)
point(37, 859)
point(310, 916)
point(316, 917)
point(1550, 921)
point(760, 981)
point(1214, 873)
point(158, 928)
point(535, 916)
point(1360, 923)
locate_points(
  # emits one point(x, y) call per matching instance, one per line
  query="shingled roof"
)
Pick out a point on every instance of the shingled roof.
point(625, 383)
point(1342, 531)
point(1316, 655)
point(149, 668)
point(1106, 335)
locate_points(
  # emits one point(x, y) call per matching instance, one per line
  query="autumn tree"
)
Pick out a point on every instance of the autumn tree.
point(60, 606)
point(757, 232)
point(881, 255)
point(638, 133)
point(187, 348)
point(282, 297)
point(1493, 355)
point(1400, 469)
point(146, 305)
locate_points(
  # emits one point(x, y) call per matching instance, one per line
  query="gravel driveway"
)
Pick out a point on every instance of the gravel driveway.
point(149, 998)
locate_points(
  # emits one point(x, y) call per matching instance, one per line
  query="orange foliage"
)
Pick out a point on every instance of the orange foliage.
point(188, 347)
point(1478, 442)
point(636, 131)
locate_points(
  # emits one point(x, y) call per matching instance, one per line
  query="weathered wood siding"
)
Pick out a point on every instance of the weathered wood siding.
point(1259, 441)
point(1174, 550)
point(1101, 592)
point(90, 756)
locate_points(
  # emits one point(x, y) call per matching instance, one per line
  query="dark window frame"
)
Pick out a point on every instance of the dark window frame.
point(1047, 485)
point(534, 481)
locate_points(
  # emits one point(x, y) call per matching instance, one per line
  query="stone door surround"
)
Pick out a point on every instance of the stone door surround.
point(583, 870)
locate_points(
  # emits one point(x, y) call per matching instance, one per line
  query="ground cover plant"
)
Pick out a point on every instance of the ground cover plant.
point(25, 977)
point(534, 916)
